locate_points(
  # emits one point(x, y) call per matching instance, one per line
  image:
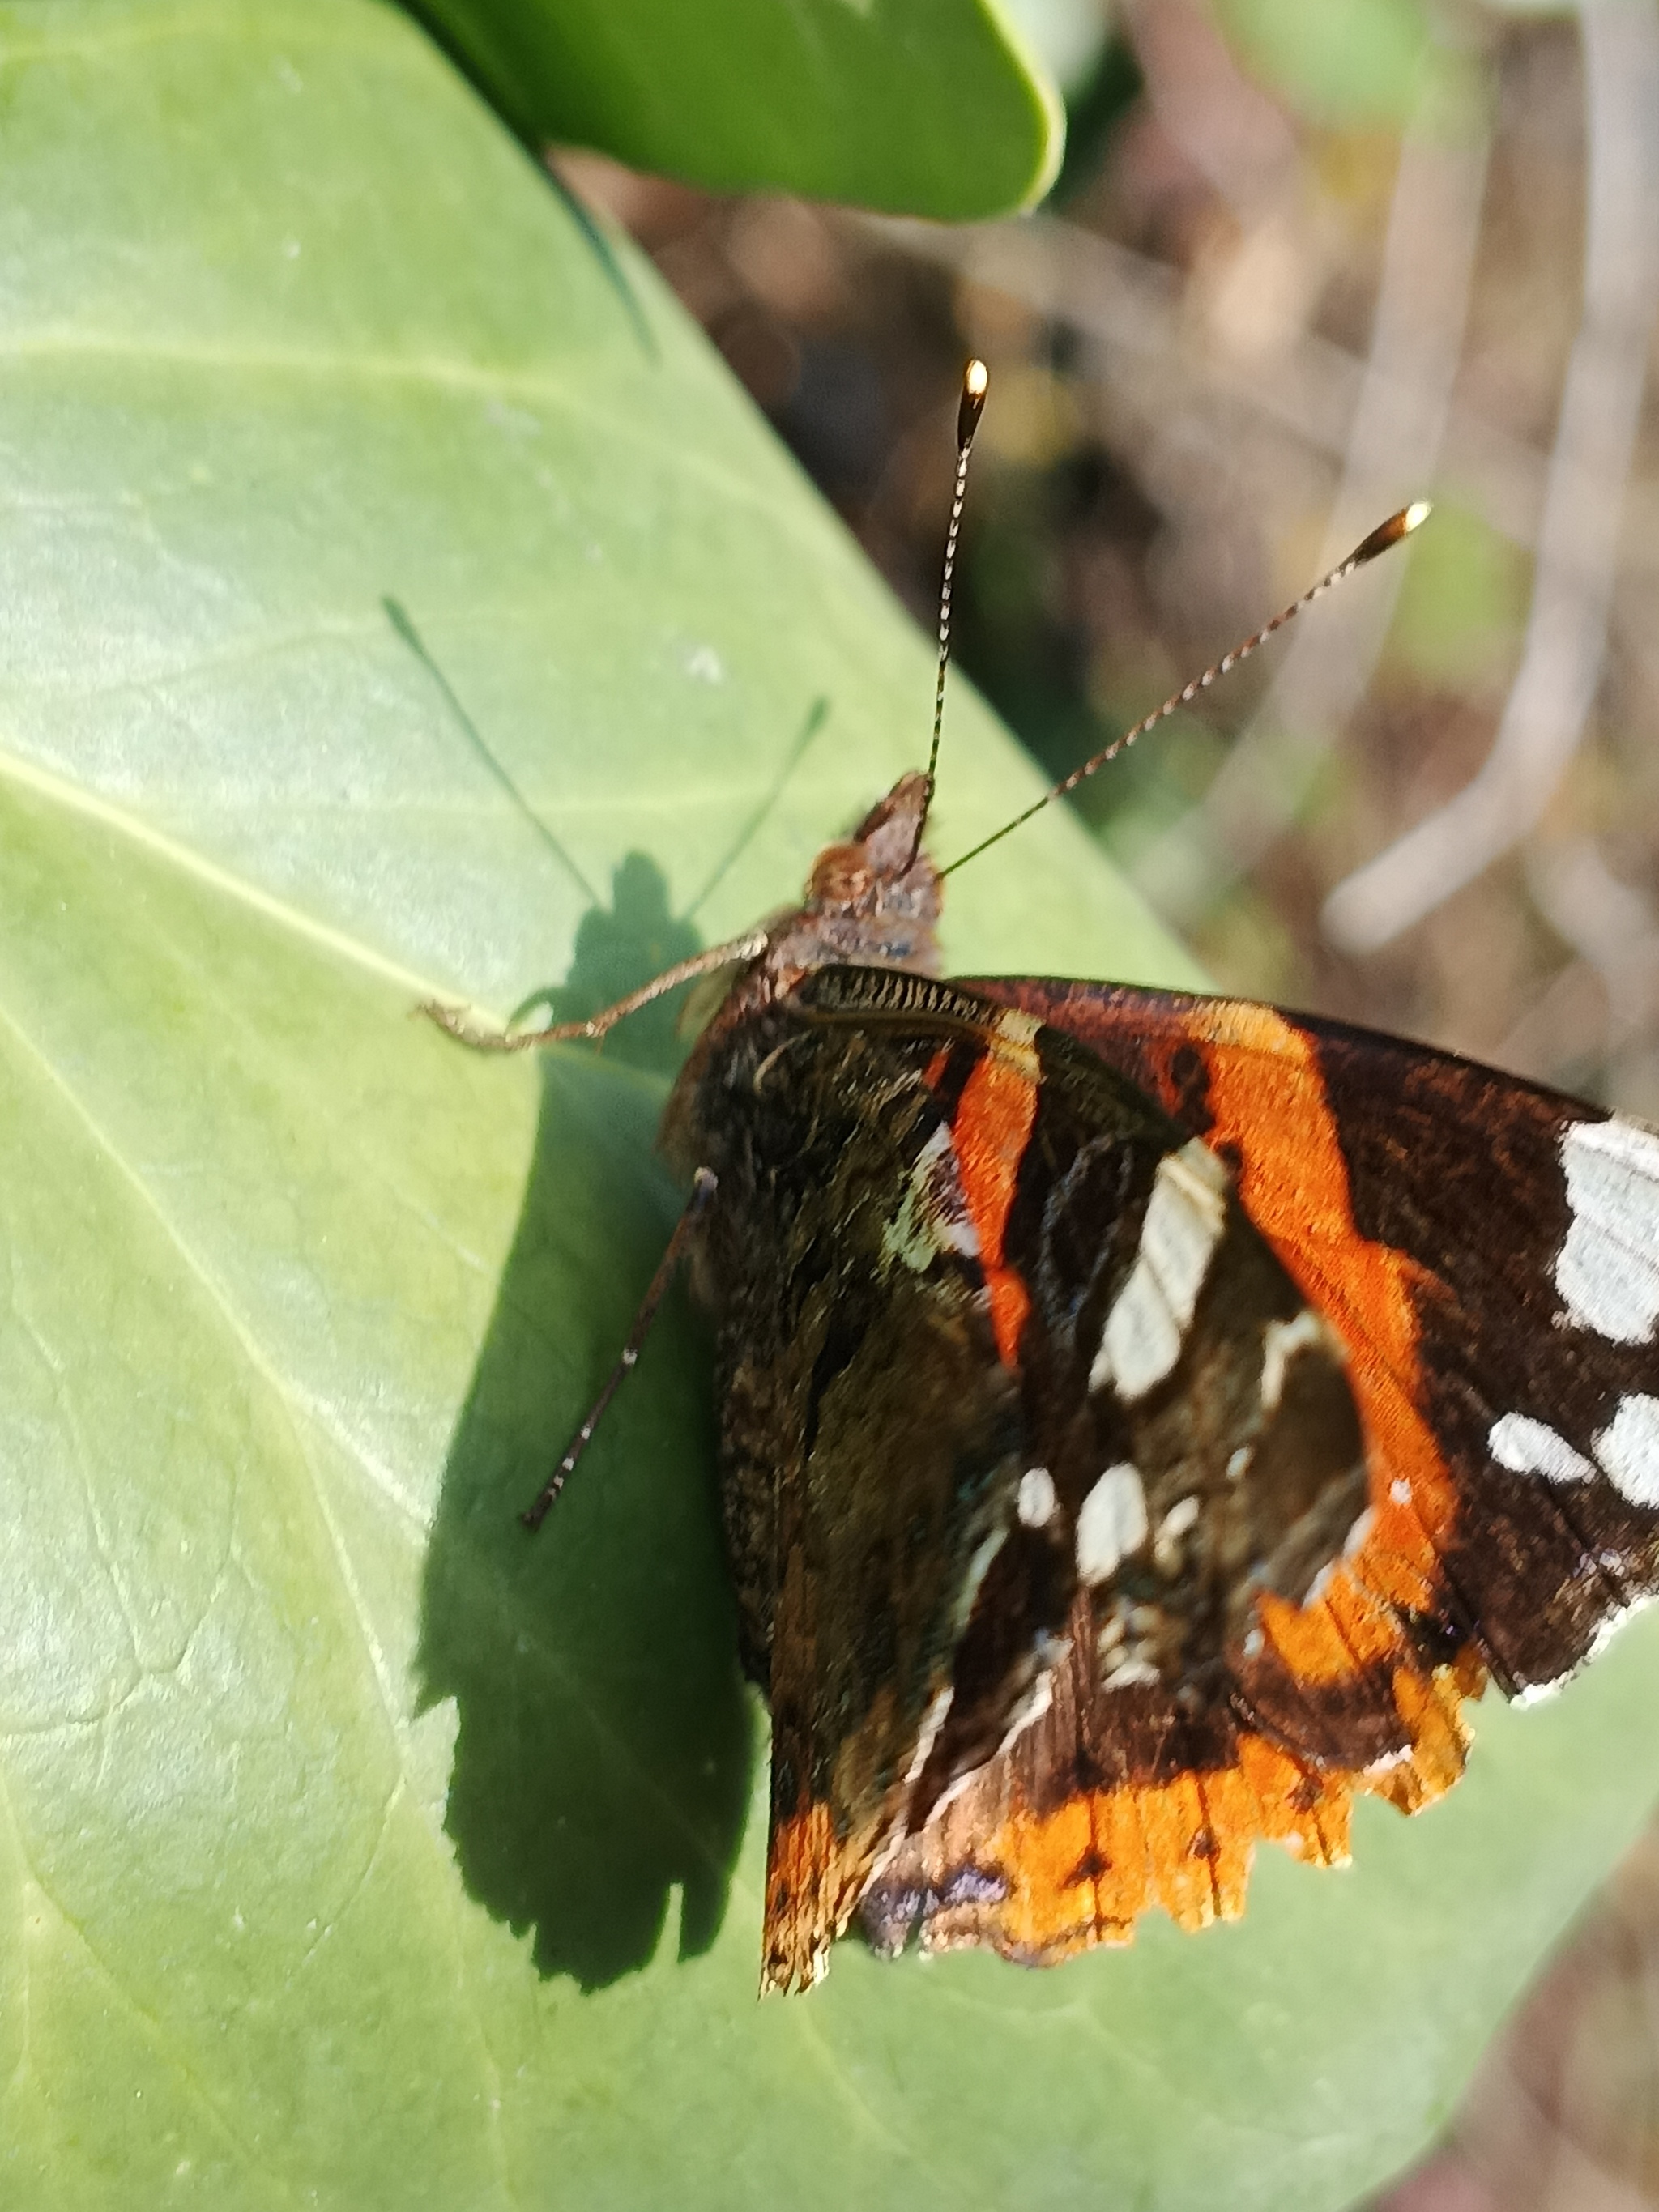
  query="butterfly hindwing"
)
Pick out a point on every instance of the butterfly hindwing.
point(871, 1441)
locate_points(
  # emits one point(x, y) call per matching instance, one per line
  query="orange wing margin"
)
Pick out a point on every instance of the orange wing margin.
point(1001, 1865)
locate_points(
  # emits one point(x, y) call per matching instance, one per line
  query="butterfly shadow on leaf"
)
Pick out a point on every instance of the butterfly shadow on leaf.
point(605, 1741)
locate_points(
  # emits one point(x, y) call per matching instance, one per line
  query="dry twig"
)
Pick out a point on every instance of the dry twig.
point(1549, 703)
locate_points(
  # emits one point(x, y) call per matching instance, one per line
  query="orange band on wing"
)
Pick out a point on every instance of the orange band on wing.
point(1264, 1075)
point(1084, 1874)
point(1056, 1883)
point(993, 1125)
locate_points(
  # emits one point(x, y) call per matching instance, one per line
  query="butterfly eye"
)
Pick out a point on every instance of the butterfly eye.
point(840, 879)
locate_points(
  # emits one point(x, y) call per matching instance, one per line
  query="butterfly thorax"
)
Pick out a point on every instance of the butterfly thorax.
point(871, 901)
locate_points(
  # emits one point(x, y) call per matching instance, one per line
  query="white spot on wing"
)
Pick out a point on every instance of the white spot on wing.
point(979, 1566)
point(932, 1721)
point(1178, 1520)
point(1536, 1692)
point(1528, 1446)
point(1112, 1523)
point(1036, 1502)
point(1389, 1760)
point(1607, 1269)
point(1628, 1447)
point(1166, 1544)
point(1017, 1028)
point(1185, 1216)
point(932, 1218)
point(1031, 1707)
point(1281, 1342)
point(1013, 1039)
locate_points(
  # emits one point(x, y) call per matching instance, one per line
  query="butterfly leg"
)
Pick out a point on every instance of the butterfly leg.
point(456, 1023)
point(703, 1187)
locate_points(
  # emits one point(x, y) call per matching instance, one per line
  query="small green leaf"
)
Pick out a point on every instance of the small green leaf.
point(354, 1848)
point(1340, 62)
point(931, 107)
point(1463, 602)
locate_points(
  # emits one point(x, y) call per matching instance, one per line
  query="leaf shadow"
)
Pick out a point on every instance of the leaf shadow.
point(604, 1739)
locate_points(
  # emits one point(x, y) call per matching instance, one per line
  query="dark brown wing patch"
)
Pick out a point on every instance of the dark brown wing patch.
point(871, 1439)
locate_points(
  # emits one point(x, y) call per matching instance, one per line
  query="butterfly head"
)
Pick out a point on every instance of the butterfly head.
point(876, 893)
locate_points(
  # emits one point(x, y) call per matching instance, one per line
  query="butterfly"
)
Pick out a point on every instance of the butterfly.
point(1145, 1419)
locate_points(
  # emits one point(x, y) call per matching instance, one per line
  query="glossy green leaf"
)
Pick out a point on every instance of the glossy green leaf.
point(934, 108)
point(354, 1849)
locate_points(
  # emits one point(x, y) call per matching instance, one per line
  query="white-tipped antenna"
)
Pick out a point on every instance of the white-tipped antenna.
point(975, 382)
point(1385, 535)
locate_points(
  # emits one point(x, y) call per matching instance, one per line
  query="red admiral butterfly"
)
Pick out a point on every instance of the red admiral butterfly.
point(1145, 1419)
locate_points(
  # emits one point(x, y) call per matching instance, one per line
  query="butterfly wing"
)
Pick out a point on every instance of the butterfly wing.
point(1488, 1255)
point(871, 1441)
point(993, 1331)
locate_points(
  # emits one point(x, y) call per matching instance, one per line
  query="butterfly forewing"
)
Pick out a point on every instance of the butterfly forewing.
point(1490, 1248)
point(1488, 1255)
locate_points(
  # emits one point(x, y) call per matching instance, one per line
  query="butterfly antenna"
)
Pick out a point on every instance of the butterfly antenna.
point(1385, 535)
point(976, 381)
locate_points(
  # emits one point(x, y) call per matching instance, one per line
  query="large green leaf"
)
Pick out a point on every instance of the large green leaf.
point(934, 108)
point(354, 1849)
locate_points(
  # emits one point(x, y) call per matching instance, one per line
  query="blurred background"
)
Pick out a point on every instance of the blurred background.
point(1308, 260)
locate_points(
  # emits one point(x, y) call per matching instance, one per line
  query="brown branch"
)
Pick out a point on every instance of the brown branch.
point(1550, 701)
point(1394, 449)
